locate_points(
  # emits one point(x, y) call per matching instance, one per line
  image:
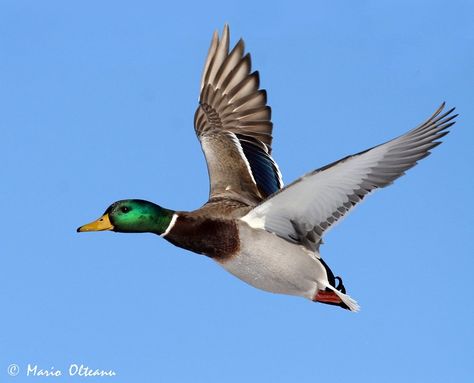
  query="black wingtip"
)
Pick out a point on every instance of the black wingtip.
point(451, 110)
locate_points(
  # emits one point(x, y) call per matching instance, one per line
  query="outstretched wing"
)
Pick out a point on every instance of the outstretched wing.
point(233, 125)
point(305, 209)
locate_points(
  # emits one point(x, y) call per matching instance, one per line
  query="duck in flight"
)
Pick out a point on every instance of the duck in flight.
point(264, 233)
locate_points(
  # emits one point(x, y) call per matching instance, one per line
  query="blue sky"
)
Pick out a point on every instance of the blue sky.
point(97, 101)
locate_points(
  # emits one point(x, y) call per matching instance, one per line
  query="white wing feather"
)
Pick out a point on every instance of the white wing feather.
point(304, 210)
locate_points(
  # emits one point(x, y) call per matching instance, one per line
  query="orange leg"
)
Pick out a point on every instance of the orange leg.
point(327, 297)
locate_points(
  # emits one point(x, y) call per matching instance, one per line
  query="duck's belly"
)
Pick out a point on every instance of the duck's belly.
point(270, 263)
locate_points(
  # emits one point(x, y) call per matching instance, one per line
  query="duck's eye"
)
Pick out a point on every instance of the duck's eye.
point(124, 209)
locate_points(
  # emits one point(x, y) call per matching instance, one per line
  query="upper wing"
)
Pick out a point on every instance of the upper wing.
point(233, 125)
point(303, 210)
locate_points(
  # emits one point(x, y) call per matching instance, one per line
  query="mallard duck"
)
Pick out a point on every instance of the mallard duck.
point(264, 233)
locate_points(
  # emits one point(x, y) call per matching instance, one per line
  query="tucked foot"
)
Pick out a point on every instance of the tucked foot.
point(337, 297)
point(330, 298)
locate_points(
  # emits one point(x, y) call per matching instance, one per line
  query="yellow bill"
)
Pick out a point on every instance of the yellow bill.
point(103, 223)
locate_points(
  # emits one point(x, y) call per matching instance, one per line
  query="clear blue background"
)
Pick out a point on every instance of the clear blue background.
point(96, 104)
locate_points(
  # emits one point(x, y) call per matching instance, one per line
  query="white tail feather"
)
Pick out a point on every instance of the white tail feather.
point(351, 303)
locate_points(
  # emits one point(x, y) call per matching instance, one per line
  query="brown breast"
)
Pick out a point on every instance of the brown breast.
point(214, 237)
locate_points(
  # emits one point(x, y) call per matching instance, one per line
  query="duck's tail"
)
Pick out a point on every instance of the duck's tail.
point(331, 296)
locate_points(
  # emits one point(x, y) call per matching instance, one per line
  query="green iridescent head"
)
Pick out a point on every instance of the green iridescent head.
point(132, 216)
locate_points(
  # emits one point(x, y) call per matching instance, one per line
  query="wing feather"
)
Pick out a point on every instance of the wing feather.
point(233, 124)
point(305, 209)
